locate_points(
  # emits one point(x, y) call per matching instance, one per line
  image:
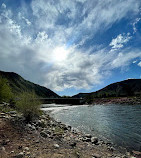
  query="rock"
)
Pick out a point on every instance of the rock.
point(94, 140)
point(88, 135)
point(73, 144)
point(136, 153)
point(43, 117)
point(108, 143)
point(28, 153)
point(85, 139)
point(12, 112)
point(8, 117)
point(110, 148)
point(65, 128)
point(5, 142)
point(47, 131)
point(20, 147)
point(33, 127)
point(2, 114)
point(96, 156)
point(28, 125)
point(69, 127)
point(12, 152)
point(26, 148)
point(20, 155)
point(3, 148)
point(42, 123)
point(128, 153)
point(13, 115)
point(56, 145)
point(124, 156)
point(44, 134)
point(37, 141)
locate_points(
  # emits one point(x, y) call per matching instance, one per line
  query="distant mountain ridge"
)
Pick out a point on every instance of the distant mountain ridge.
point(130, 87)
point(126, 88)
point(19, 84)
point(80, 95)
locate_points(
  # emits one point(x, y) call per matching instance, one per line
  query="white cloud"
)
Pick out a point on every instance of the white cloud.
point(139, 64)
point(34, 52)
point(124, 59)
point(20, 16)
point(135, 23)
point(79, 21)
point(27, 21)
point(135, 61)
point(119, 41)
point(3, 5)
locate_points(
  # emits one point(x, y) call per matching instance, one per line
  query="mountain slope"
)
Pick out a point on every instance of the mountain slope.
point(80, 95)
point(130, 87)
point(19, 84)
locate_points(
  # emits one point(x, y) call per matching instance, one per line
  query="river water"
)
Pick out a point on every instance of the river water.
point(118, 124)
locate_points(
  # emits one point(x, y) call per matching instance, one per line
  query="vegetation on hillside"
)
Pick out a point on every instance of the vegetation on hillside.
point(19, 85)
point(126, 88)
point(5, 91)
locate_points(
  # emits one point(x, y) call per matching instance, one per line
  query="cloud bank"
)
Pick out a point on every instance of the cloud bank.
point(49, 44)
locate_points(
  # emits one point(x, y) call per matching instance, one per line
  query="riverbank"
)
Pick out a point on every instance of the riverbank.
point(47, 138)
point(118, 100)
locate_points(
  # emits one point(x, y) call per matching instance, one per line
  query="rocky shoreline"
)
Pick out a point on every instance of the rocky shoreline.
point(118, 100)
point(45, 137)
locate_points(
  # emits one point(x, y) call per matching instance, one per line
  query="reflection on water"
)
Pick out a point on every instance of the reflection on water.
point(119, 124)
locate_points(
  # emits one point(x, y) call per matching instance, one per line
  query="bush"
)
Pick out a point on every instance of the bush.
point(5, 91)
point(28, 105)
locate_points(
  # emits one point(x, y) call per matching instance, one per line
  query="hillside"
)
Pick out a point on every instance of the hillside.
point(19, 84)
point(80, 95)
point(126, 88)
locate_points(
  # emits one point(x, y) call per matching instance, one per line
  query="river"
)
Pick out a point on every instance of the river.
point(118, 124)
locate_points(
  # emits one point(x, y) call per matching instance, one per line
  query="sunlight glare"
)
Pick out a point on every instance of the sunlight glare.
point(60, 54)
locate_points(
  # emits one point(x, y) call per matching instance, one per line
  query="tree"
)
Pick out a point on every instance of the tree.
point(28, 104)
point(5, 90)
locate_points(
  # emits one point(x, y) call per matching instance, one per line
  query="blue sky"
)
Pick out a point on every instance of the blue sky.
point(71, 46)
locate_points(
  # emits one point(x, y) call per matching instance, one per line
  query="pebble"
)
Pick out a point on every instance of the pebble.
point(28, 153)
point(88, 135)
point(86, 139)
point(94, 140)
point(26, 148)
point(20, 155)
point(37, 141)
point(5, 142)
point(110, 148)
point(29, 125)
point(33, 127)
point(56, 145)
point(43, 134)
point(3, 148)
point(20, 147)
point(2, 114)
point(124, 156)
point(73, 144)
point(12, 112)
point(137, 153)
point(96, 156)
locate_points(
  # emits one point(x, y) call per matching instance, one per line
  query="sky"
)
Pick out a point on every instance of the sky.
point(71, 46)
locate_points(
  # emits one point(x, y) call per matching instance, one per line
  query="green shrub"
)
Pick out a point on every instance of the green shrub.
point(5, 91)
point(28, 104)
